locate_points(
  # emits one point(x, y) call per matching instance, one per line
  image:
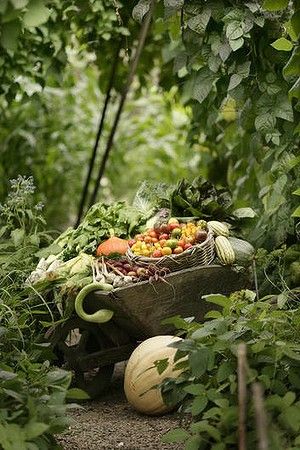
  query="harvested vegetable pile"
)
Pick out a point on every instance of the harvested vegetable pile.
point(98, 251)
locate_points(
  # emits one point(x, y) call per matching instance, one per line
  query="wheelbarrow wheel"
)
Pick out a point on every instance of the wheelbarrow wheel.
point(76, 339)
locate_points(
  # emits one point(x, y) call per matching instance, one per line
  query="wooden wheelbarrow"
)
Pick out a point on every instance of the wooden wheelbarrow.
point(91, 350)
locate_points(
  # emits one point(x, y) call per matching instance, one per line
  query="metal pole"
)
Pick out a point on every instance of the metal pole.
point(133, 67)
point(99, 132)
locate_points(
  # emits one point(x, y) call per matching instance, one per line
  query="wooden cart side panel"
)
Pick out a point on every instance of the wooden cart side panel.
point(141, 308)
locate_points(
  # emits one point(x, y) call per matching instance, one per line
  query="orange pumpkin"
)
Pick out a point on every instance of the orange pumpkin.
point(113, 245)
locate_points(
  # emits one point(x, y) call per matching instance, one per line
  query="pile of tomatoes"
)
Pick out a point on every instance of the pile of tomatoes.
point(170, 238)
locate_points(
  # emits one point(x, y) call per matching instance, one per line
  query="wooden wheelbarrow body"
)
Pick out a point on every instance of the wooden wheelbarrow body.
point(139, 310)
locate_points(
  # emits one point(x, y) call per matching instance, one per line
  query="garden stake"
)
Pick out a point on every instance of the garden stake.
point(242, 394)
point(99, 132)
point(132, 70)
point(260, 416)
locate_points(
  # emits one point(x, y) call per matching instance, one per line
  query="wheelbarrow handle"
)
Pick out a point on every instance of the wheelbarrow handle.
point(100, 316)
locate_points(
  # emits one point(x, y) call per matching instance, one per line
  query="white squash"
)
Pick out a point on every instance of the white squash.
point(141, 376)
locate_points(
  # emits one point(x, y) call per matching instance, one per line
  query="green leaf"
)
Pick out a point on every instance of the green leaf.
point(244, 69)
point(5, 375)
point(174, 4)
point(36, 14)
point(283, 108)
point(282, 299)
point(234, 30)
point(282, 44)
point(35, 429)
point(258, 346)
point(290, 418)
point(236, 44)
point(296, 192)
point(77, 394)
point(235, 80)
point(275, 5)
point(161, 365)
point(201, 360)
point(198, 405)
point(289, 398)
point(217, 299)
point(18, 236)
point(244, 213)
point(254, 7)
point(295, 23)
point(199, 22)
point(214, 63)
point(194, 389)
point(9, 35)
point(140, 10)
point(224, 51)
point(296, 213)
point(290, 30)
point(294, 378)
point(292, 66)
point(175, 435)
point(3, 6)
point(224, 370)
point(204, 426)
point(203, 83)
point(193, 443)
point(265, 122)
point(18, 4)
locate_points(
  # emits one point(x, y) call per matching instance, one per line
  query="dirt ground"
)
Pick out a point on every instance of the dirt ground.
point(111, 423)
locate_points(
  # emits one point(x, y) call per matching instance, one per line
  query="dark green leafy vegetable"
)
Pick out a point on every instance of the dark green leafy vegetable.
point(201, 199)
point(151, 197)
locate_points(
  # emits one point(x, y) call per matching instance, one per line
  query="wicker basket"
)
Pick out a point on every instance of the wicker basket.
point(198, 255)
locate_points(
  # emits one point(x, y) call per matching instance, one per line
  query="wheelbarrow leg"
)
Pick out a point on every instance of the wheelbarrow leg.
point(76, 339)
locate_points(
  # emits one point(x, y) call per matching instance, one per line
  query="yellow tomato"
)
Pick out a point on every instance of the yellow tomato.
point(166, 251)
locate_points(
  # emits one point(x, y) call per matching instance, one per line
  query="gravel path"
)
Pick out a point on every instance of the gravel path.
point(111, 423)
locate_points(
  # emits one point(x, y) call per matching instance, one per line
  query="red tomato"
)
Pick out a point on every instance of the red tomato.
point(172, 226)
point(152, 234)
point(181, 243)
point(157, 254)
point(186, 246)
point(164, 236)
point(154, 240)
point(147, 239)
point(162, 229)
point(177, 250)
